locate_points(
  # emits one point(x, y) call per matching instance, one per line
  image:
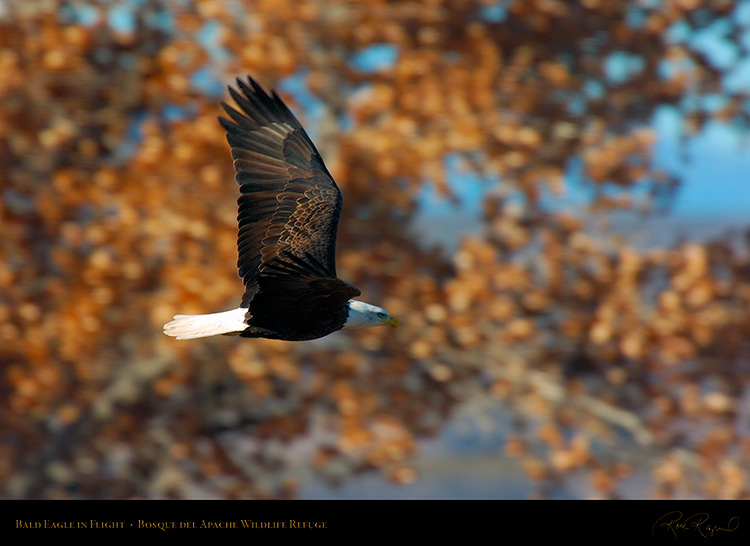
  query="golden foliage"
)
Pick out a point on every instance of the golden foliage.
point(118, 210)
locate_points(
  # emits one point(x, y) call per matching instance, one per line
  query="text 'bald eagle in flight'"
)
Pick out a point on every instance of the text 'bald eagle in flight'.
point(289, 211)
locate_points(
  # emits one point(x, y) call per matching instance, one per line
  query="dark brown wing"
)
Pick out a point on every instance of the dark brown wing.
point(289, 202)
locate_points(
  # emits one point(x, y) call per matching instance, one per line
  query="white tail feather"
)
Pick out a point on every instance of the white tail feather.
point(194, 326)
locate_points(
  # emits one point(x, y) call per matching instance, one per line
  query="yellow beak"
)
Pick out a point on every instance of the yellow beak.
point(391, 321)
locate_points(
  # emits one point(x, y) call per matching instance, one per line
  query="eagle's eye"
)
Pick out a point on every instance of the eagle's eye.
point(381, 315)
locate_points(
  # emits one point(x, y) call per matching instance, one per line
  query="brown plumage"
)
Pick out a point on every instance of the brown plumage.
point(289, 209)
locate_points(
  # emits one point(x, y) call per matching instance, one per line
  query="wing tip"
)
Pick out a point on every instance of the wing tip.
point(257, 96)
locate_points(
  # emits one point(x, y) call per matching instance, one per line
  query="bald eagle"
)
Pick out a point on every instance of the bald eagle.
point(289, 208)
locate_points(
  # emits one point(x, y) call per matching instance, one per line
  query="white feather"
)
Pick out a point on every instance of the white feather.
point(214, 324)
point(364, 315)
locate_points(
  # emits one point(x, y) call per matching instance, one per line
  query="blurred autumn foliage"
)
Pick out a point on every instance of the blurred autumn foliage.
point(118, 210)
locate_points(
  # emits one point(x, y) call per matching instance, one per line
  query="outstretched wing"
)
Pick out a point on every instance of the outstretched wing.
point(289, 202)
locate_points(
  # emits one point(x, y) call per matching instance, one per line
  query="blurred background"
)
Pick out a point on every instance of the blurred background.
point(552, 196)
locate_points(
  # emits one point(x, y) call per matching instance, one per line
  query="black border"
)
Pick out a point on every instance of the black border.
point(586, 520)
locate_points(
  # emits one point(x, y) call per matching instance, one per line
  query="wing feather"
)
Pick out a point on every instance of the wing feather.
point(289, 205)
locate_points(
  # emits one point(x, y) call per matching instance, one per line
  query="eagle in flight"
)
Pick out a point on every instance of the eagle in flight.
point(289, 209)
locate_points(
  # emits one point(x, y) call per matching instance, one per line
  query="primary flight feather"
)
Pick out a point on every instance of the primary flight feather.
point(289, 209)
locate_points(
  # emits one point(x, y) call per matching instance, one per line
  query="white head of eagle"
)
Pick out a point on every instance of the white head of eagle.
point(364, 315)
point(288, 216)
